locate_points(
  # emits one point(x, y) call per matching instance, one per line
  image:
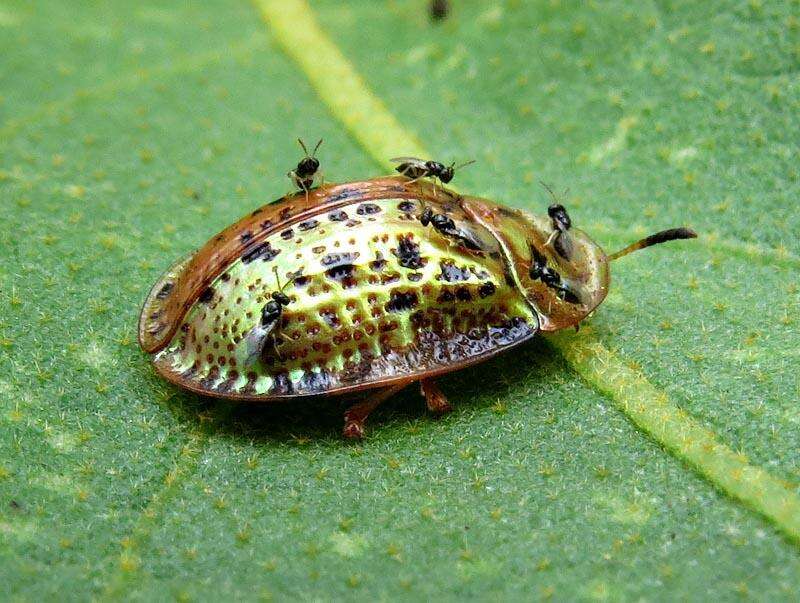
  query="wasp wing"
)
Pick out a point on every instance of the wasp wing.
point(415, 160)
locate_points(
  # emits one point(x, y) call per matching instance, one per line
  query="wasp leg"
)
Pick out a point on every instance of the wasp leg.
point(298, 182)
point(355, 416)
point(305, 189)
point(434, 398)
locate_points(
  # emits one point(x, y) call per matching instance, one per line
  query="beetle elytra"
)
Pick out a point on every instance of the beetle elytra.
point(369, 285)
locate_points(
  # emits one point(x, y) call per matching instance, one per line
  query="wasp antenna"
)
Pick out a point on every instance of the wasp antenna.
point(672, 234)
point(314, 152)
point(465, 164)
point(549, 189)
point(277, 278)
point(305, 150)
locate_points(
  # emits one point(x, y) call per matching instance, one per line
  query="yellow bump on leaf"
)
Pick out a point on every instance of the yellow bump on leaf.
point(75, 191)
point(129, 563)
point(708, 48)
point(616, 142)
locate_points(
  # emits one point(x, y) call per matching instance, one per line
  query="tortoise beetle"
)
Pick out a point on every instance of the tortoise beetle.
point(387, 282)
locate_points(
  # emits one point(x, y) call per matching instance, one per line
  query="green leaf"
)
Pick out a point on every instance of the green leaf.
point(653, 455)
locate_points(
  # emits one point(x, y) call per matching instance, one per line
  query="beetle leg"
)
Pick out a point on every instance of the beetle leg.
point(355, 416)
point(434, 398)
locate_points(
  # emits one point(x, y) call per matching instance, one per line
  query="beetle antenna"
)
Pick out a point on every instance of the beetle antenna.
point(671, 234)
point(305, 150)
point(314, 152)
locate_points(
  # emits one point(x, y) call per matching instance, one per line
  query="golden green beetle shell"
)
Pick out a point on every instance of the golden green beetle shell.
point(375, 296)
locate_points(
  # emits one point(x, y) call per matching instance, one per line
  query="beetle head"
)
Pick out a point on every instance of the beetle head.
point(560, 270)
point(563, 273)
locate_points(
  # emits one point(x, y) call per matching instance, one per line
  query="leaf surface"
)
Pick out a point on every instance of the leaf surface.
point(132, 132)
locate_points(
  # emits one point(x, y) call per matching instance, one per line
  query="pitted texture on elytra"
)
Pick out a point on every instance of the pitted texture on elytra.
point(375, 296)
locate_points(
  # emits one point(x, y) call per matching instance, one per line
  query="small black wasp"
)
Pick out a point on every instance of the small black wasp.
point(304, 175)
point(415, 168)
point(439, 9)
point(268, 327)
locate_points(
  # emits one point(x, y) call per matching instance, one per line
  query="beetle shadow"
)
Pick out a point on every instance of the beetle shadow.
point(319, 420)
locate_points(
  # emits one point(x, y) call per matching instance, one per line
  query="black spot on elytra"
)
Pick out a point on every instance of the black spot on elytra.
point(156, 328)
point(264, 250)
point(341, 272)
point(486, 289)
point(286, 213)
point(206, 296)
point(190, 372)
point(400, 301)
point(245, 236)
point(407, 206)
point(165, 290)
point(415, 277)
point(451, 273)
point(225, 277)
point(337, 259)
point(480, 273)
point(287, 234)
point(300, 281)
point(446, 296)
point(407, 253)
point(345, 194)
point(312, 381)
point(353, 372)
point(378, 263)
point(266, 224)
point(209, 380)
point(463, 294)
point(367, 209)
point(337, 216)
point(307, 225)
point(330, 317)
point(281, 384)
point(510, 331)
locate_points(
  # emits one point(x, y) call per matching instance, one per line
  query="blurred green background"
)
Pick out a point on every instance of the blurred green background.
point(132, 132)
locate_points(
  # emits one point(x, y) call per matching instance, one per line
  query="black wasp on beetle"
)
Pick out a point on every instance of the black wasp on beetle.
point(415, 168)
point(304, 175)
